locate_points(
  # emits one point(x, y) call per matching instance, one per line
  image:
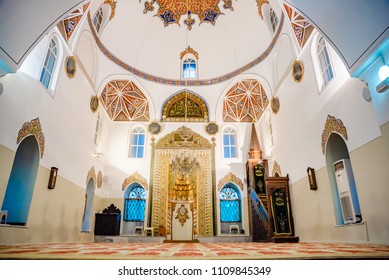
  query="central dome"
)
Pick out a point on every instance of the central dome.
point(143, 39)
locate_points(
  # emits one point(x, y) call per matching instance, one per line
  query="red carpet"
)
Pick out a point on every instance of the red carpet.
point(144, 251)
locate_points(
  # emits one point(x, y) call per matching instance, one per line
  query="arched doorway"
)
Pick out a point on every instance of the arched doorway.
point(21, 182)
point(88, 209)
point(342, 182)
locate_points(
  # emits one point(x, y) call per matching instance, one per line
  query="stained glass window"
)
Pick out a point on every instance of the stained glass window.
point(137, 144)
point(49, 64)
point(135, 204)
point(325, 62)
point(229, 205)
point(229, 143)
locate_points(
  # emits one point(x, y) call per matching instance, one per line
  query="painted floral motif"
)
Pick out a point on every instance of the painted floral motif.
point(170, 11)
point(32, 128)
point(332, 125)
point(135, 178)
point(230, 178)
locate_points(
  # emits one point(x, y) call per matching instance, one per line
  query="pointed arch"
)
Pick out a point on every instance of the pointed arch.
point(33, 128)
point(230, 178)
point(185, 106)
point(135, 178)
point(276, 170)
point(332, 125)
point(91, 175)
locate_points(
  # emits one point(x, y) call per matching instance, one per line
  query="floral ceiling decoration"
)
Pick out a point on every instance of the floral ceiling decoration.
point(244, 102)
point(301, 27)
point(170, 11)
point(124, 101)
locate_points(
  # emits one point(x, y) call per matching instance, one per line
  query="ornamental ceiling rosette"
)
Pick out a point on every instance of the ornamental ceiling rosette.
point(170, 11)
point(124, 101)
point(244, 102)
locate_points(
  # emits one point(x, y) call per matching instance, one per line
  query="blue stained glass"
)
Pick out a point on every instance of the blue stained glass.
point(229, 205)
point(135, 205)
point(229, 210)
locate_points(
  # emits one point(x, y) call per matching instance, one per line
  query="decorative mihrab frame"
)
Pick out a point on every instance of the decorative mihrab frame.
point(70, 66)
point(212, 128)
point(297, 71)
point(155, 128)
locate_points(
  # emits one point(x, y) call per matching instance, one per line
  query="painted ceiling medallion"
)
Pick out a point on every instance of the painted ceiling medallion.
point(124, 101)
point(170, 11)
point(244, 102)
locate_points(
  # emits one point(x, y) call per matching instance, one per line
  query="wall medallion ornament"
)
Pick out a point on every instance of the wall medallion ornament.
point(182, 215)
point(70, 66)
point(32, 128)
point(275, 104)
point(332, 125)
point(212, 128)
point(154, 128)
point(94, 103)
point(297, 71)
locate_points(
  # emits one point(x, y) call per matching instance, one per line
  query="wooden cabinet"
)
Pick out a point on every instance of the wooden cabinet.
point(108, 222)
point(280, 210)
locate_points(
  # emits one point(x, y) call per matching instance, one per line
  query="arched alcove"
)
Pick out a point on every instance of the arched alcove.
point(88, 210)
point(341, 177)
point(21, 182)
point(134, 207)
point(230, 204)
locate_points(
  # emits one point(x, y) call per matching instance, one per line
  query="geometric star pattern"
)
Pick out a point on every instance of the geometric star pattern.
point(301, 27)
point(72, 20)
point(244, 102)
point(124, 101)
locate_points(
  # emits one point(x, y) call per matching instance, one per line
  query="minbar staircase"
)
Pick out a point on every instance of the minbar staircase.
point(261, 226)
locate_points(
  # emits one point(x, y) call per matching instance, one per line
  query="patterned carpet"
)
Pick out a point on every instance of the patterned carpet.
point(201, 251)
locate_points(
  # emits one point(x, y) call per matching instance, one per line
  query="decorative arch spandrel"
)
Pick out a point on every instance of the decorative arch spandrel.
point(332, 125)
point(135, 178)
point(32, 128)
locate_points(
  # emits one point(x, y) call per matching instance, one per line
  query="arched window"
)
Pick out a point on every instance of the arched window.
point(135, 204)
point(189, 69)
point(97, 129)
point(273, 20)
point(137, 144)
point(229, 143)
point(97, 19)
point(325, 61)
point(189, 58)
point(229, 205)
point(47, 73)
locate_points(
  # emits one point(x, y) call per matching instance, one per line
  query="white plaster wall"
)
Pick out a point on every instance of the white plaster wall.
point(67, 122)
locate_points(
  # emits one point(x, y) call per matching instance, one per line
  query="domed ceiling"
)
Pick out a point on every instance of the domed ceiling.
point(147, 38)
